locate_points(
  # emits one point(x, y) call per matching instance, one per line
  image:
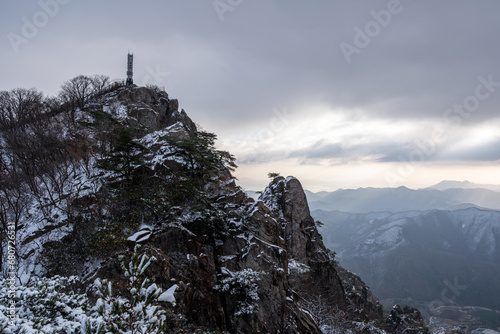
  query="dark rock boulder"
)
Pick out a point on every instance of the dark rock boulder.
point(405, 319)
point(361, 300)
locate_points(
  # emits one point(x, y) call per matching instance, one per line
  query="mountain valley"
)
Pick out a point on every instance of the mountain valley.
point(446, 262)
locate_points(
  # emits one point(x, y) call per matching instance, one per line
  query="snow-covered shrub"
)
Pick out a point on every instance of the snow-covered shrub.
point(331, 320)
point(49, 306)
point(297, 268)
point(43, 306)
point(243, 285)
point(140, 313)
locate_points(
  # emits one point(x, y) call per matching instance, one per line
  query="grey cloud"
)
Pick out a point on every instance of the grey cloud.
point(269, 54)
point(489, 152)
point(319, 150)
point(378, 151)
point(384, 151)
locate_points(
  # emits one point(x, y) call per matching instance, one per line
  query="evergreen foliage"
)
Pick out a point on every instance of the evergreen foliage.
point(52, 305)
point(273, 175)
point(134, 190)
point(46, 305)
point(242, 285)
point(139, 313)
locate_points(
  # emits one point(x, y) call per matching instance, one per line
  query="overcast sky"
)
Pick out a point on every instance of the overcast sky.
point(337, 93)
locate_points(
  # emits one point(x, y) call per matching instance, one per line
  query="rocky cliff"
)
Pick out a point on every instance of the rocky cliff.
point(238, 265)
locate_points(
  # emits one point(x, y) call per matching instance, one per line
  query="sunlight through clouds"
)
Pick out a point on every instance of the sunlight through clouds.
point(281, 91)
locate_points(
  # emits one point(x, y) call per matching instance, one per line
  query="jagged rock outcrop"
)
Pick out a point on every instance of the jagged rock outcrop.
point(152, 109)
point(313, 262)
point(303, 242)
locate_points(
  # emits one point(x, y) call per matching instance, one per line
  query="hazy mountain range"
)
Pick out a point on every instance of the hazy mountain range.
point(433, 258)
point(447, 195)
point(437, 248)
point(447, 184)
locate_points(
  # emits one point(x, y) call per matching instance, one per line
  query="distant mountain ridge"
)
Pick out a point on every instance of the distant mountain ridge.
point(419, 257)
point(448, 184)
point(444, 196)
point(418, 246)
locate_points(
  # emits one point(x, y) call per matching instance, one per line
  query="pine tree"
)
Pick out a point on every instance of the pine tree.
point(124, 161)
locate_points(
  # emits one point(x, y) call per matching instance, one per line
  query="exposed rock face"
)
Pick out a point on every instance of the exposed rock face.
point(303, 242)
point(359, 295)
point(262, 249)
point(301, 236)
point(153, 109)
point(339, 289)
point(219, 281)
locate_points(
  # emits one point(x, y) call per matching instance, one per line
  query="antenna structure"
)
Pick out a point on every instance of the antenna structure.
point(130, 65)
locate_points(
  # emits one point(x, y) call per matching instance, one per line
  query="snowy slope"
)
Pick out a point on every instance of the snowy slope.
point(44, 214)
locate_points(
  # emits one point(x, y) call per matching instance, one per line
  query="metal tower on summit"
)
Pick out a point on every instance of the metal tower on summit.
point(130, 65)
